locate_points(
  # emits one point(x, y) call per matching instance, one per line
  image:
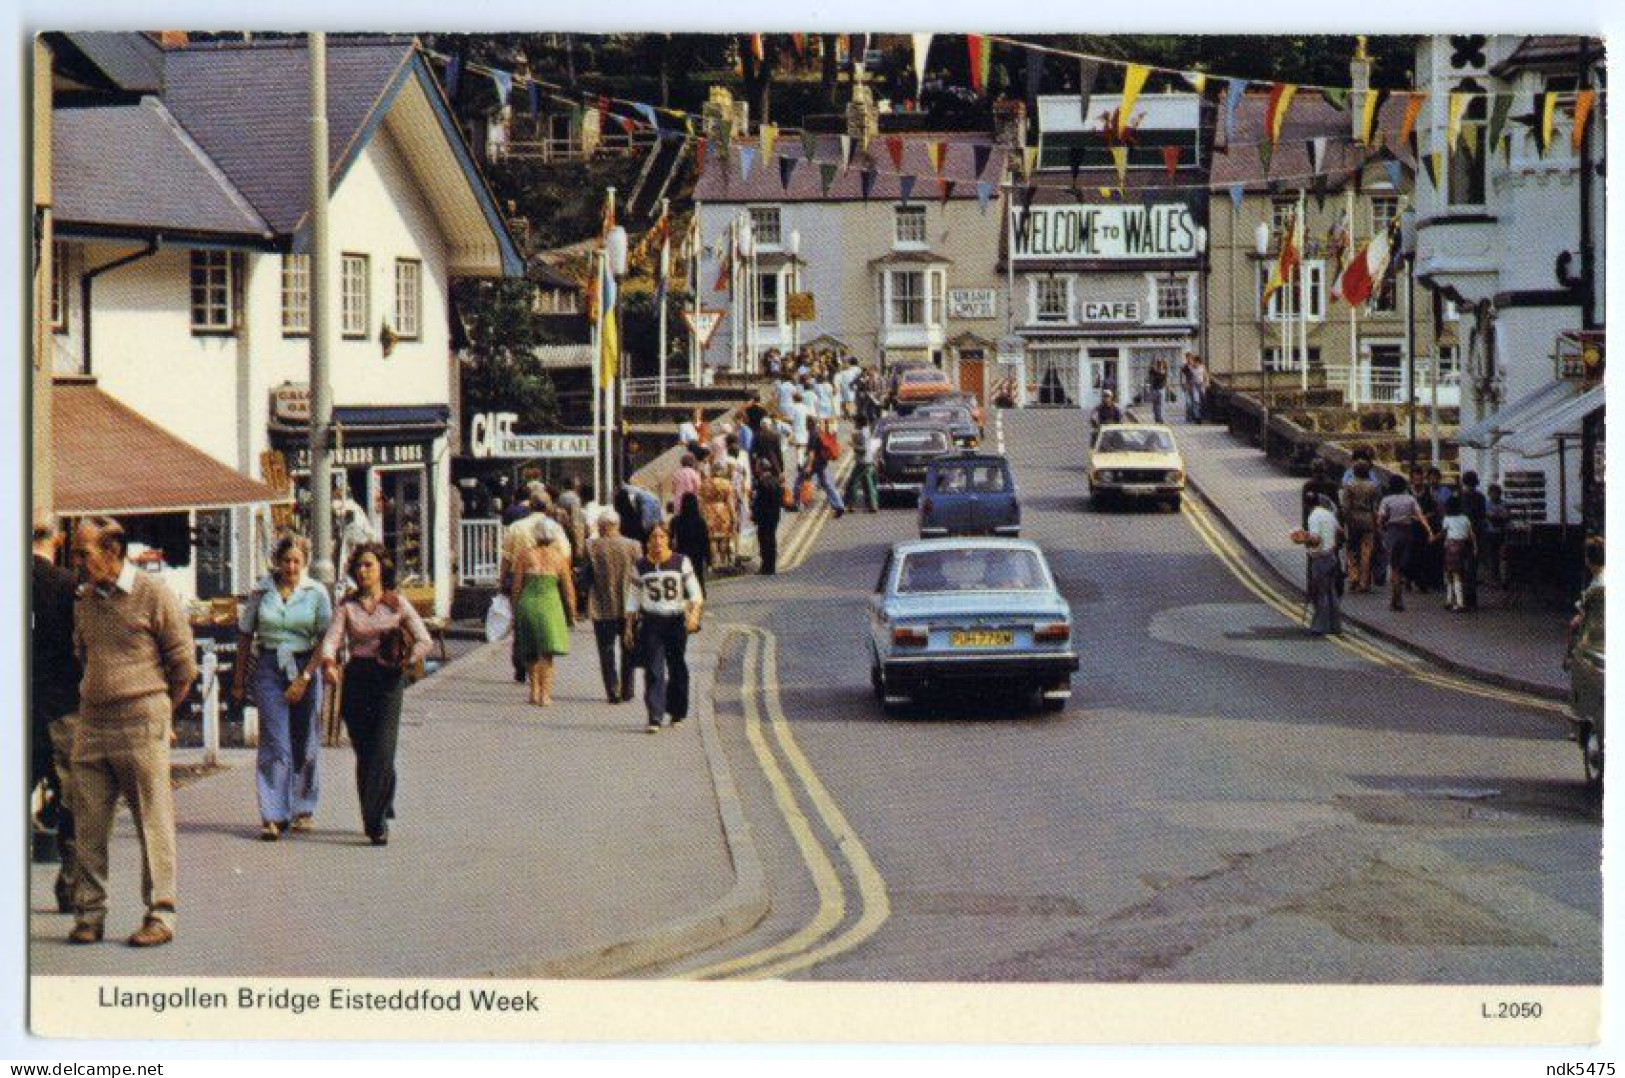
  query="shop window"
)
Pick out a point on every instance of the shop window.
point(910, 225)
point(295, 295)
point(214, 292)
point(59, 287)
point(908, 298)
point(354, 315)
point(767, 299)
point(1172, 298)
point(1384, 209)
point(408, 298)
point(403, 512)
point(765, 226)
point(1052, 299)
point(1275, 359)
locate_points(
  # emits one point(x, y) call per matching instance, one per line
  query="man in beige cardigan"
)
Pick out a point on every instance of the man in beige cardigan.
point(136, 649)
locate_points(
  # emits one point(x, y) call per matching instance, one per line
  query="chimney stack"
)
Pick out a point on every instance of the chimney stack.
point(172, 39)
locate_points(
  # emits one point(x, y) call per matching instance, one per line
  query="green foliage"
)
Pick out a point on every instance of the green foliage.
point(500, 372)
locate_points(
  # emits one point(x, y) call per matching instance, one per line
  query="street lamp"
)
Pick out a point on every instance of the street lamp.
point(615, 264)
point(1261, 240)
point(745, 243)
point(795, 257)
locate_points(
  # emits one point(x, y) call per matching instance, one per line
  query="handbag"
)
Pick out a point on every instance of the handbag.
point(395, 649)
point(498, 618)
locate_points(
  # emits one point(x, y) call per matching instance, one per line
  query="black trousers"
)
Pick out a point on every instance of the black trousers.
point(767, 543)
point(610, 637)
point(371, 708)
point(663, 640)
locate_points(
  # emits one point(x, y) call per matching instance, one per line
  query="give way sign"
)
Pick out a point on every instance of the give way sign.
point(703, 324)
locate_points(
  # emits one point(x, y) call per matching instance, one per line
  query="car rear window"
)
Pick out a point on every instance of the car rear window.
point(924, 374)
point(971, 569)
point(1135, 441)
point(917, 441)
point(973, 478)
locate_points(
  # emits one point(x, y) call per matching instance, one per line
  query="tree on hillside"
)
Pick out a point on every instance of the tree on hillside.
point(500, 370)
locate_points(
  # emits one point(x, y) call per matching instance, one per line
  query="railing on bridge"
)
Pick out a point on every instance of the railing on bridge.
point(479, 557)
point(646, 391)
point(1387, 385)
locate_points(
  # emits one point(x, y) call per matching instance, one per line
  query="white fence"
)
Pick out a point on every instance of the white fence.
point(1386, 385)
point(479, 557)
point(644, 391)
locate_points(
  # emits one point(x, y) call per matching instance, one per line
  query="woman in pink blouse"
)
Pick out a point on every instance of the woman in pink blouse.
point(365, 625)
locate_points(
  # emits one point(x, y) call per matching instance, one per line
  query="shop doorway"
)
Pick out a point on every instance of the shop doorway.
point(1103, 371)
point(972, 372)
point(400, 517)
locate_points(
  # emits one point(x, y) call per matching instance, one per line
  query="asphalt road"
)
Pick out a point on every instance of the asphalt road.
point(1224, 799)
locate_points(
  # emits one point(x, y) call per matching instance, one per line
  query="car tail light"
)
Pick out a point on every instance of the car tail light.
point(1176, 476)
point(909, 637)
point(925, 505)
point(1053, 633)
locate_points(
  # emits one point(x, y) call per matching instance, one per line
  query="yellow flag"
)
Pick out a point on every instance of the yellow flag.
point(1133, 82)
point(1469, 135)
point(1368, 113)
point(1458, 105)
point(609, 340)
point(770, 136)
point(1120, 159)
point(1029, 160)
point(1548, 112)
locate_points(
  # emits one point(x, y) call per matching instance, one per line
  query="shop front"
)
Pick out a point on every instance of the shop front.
point(390, 480)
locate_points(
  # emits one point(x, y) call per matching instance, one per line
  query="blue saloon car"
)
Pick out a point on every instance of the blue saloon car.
point(950, 612)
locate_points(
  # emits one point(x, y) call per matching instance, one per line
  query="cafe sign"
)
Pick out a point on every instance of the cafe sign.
point(491, 435)
point(1111, 310)
point(1056, 233)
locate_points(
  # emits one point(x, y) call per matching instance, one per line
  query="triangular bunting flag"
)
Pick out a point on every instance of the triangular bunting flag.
point(1088, 75)
point(846, 150)
point(799, 42)
point(1074, 160)
point(980, 155)
point(1413, 109)
point(1280, 100)
point(1582, 109)
point(502, 82)
point(1133, 82)
point(1452, 129)
point(725, 134)
point(826, 176)
point(1170, 160)
point(866, 182)
point(1266, 154)
point(905, 187)
point(937, 151)
point(648, 114)
point(1395, 175)
point(894, 147)
point(627, 124)
point(1035, 74)
point(1197, 79)
point(1500, 108)
point(1469, 136)
point(1337, 97)
point(946, 187)
point(747, 158)
point(809, 145)
point(1318, 185)
point(984, 194)
point(1548, 113)
point(1029, 160)
point(1027, 195)
point(1435, 166)
point(1120, 160)
point(980, 51)
point(699, 156)
point(1237, 193)
point(787, 168)
point(922, 49)
point(1148, 197)
point(758, 48)
point(1232, 97)
point(769, 134)
point(1317, 155)
point(1370, 110)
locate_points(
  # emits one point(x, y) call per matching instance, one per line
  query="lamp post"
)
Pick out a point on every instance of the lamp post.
point(614, 267)
point(795, 282)
point(1261, 239)
point(745, 243)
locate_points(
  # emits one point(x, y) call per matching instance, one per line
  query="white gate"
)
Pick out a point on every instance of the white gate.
point(479, 558)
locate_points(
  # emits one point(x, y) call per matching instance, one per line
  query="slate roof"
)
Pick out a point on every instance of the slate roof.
point(132, 62)
point(248, 106)
point(729, 184)
point(1055, 186)
point(1309, 117)
point(1547, 50)
point(176, 187)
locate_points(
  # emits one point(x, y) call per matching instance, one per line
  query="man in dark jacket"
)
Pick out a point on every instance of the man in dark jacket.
point(766, 505)
point(767, 445)
point(53, 695)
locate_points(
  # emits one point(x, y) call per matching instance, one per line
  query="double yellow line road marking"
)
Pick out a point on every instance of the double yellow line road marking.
point(1213, 536)
point(830, 931)
point(801, 543)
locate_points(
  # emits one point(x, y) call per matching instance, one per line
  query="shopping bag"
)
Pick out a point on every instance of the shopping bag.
point(746, 546)
point(498, 618)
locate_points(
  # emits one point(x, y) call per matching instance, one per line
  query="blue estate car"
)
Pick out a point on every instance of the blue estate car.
point(950, 611)
point(969, 493)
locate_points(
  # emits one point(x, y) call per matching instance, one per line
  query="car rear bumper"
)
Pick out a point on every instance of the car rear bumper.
point(937, 531)
point(906, 672)
point(894, 486)
point(1138, 490)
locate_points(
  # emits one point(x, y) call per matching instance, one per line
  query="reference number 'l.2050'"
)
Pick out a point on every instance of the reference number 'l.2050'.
point(1509, 1009)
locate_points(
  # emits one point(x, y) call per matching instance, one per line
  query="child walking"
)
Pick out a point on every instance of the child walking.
point(1459, 547)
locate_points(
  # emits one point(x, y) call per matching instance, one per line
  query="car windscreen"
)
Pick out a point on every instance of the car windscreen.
point(946, 415)
point(971, 569)
point(972, 477)
point(1135, 441)
point(916, 441)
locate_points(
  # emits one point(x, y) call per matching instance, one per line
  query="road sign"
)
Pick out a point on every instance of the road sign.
point(1012, 350)
point(703, 324)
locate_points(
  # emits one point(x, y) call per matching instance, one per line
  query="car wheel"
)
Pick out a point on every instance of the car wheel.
point(877, 682)
point(1175, 503)
point(1099, 501)
point(1591, 755)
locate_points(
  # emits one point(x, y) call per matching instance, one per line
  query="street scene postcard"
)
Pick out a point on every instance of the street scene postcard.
point(803, 537)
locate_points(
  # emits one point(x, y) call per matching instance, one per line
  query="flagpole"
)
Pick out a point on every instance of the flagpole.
point(1303, 301)
point(609, 382)
point(321, 308)
point(1354, 327)
point(694, 298)
point(597, 361)
point(660, 294)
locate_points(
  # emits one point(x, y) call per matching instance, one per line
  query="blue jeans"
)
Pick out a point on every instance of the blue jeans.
point(285, 766)
point(1156, 403)
point(663, 644)
point(821, 476)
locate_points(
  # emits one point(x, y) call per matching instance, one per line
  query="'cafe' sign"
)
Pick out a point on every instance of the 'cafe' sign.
point(1104, 232)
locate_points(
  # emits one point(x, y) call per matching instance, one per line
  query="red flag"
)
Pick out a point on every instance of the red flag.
point(1365, 269)
point(699, 156)
point(894, 146)
point(937, 151)
point(1170, 159)
point(725, 274)
point(976, 46)
point(800, 42)
point(757, 49)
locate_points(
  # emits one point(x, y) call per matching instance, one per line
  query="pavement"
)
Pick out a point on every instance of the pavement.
point(1514, 640)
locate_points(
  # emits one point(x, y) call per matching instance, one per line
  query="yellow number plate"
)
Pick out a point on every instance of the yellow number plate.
point(981, 638)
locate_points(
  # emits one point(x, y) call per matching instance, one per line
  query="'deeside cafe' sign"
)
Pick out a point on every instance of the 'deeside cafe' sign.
point(1107, 232)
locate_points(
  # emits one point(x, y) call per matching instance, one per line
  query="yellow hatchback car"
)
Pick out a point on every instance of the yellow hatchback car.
point(1138, 461)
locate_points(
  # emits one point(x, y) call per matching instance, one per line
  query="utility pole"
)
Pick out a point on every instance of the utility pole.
point(321, 319)
point(660, 291)
point(1302, 270)
point(1410, 351)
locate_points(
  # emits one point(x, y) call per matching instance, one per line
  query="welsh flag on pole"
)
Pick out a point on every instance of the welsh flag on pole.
point(1364, 270)
point(609, 338)
point(1287, 262)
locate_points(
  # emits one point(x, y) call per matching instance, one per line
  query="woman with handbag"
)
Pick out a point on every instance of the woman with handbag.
point(384, 638)
point(279, 631)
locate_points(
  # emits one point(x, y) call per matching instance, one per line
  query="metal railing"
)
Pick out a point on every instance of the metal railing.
point(646, 391)
point(1387, 385)
point(479, 555)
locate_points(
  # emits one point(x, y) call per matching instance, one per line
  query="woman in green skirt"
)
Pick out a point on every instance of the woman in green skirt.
point(543, 599)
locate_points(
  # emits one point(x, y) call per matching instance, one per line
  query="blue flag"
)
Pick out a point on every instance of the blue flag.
point(984, 194)
point(1391, 167)
point(648, 114)
point(906, 184)
point(503, 82)
point(1236, 194)
point(747, 157)
point(535, 96)
point(1231, 97)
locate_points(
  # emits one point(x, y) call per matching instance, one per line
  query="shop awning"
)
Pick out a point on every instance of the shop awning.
point(109, 459)
point(1514, 417)
point(1538, 437)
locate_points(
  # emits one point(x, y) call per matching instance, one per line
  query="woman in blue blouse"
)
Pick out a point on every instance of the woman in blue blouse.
point(281, 627)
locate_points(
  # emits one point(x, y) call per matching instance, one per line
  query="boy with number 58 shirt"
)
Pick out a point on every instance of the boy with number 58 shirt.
point(663, 603)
